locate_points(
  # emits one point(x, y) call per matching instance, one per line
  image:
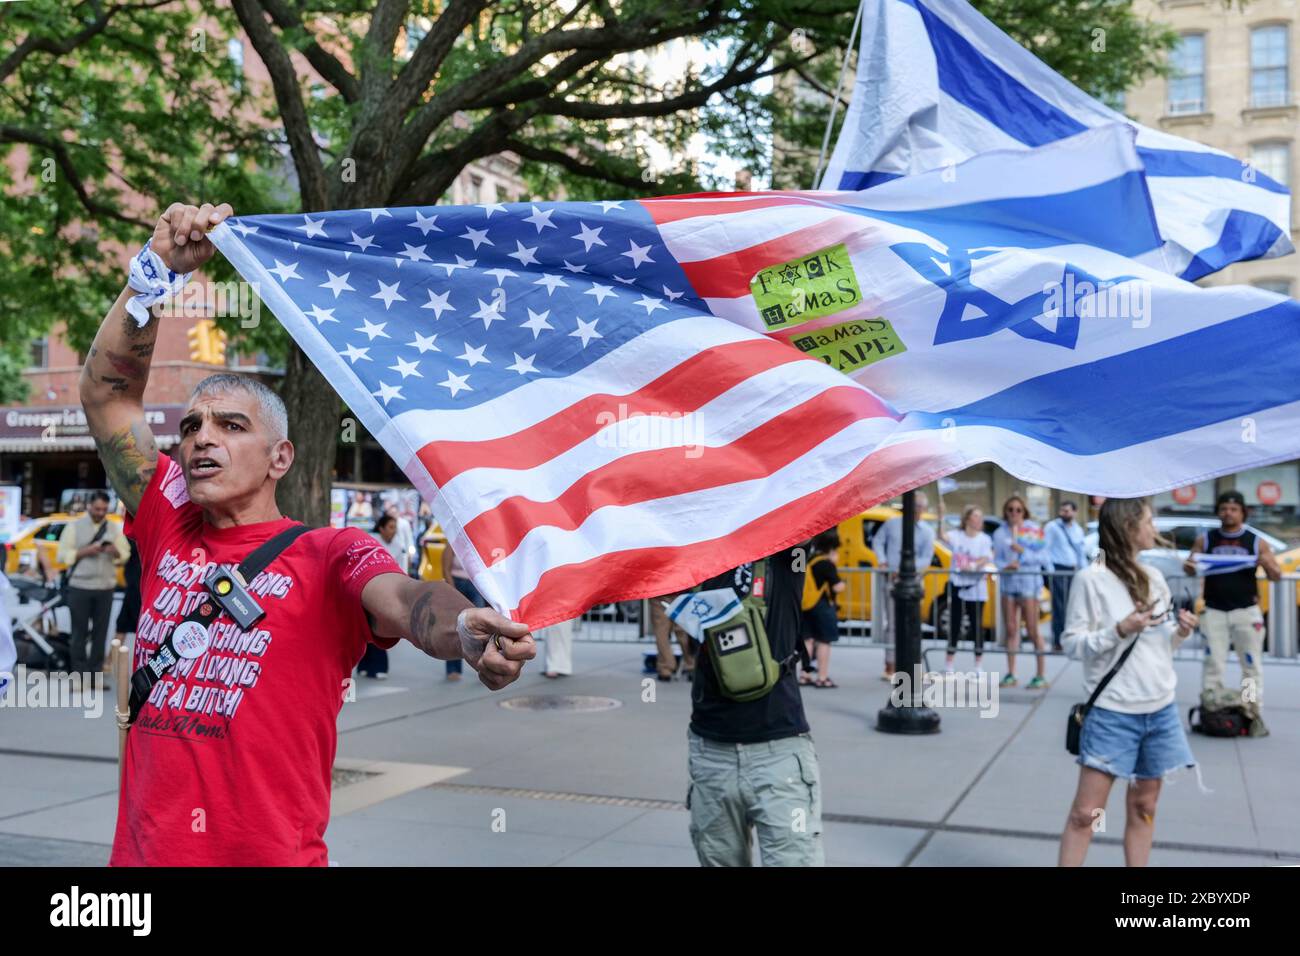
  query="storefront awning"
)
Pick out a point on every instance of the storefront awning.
point(30, 446)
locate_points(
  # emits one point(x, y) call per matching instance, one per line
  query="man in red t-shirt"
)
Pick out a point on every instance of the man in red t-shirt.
point(230, 758)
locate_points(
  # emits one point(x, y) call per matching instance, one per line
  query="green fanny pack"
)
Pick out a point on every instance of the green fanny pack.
point(741, 653)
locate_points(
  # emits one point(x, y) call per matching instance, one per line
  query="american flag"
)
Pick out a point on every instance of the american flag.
point(552, 379)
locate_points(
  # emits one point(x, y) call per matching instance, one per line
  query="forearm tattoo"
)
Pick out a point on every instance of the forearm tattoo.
point(130, 458)
point(423, 622)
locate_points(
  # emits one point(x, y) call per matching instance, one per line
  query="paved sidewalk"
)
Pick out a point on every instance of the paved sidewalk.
point(437, 773)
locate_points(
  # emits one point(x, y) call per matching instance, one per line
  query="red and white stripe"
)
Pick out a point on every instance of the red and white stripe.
point(553, 507)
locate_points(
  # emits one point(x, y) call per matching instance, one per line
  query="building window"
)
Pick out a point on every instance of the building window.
point(40, 356)
point(476, 188)
point(1187, 77)
point(1280, 286)
point(1268, 67)
point(1273, 160)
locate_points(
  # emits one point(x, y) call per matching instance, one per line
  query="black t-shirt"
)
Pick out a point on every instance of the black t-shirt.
point(1235, 589)
point(824, 576)
point(780, 713)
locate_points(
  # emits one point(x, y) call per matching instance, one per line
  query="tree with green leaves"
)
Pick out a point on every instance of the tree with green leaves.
point(120, 108)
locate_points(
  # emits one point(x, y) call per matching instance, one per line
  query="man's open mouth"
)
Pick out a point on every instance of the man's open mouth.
point(203, 468)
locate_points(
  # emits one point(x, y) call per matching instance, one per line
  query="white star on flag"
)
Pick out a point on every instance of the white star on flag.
point(500, 274)
point(650, 304)
point(388, 293)
point(540, 219)
point(523, 254)
point(362, 242)
point(438, 302)
point(387, 392)
point(601, 292)
point(638, 254)
point(460, 263)
point(490, 208)
point(322, 315)
point(586, 331)
point(474, 355)
point(354, 354)
point(537, 322)
point(414, 253)
point(313, 227)
point(489, 312)
point(373, 331)
point(589, 237)
point(285, 272)
point(337, 284)
point(522, 365)
point(551, 281)
point(405, 368)
point(424, 224)
point(424, 343)
point(477, 236)
point(457, 383)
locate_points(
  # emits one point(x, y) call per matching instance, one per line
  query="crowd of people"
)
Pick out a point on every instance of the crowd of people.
point(331, 600)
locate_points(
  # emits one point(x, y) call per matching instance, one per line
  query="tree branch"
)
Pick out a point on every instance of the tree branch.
point(302, 144)
point(558, 157)
point(324, 62)
point(16, 134)
point(377, 51)
point(31, 44)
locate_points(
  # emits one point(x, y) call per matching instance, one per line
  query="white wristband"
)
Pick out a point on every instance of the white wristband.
point(152, 281)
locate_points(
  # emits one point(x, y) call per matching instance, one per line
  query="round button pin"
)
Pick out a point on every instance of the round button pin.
point(190, 639)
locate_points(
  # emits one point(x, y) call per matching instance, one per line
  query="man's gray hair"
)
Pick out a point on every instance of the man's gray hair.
point(274, 414)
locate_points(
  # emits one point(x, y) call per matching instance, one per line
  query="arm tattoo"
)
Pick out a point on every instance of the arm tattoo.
point(423, 620)
point(130, 458)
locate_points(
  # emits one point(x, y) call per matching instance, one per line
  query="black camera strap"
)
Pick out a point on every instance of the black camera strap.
point(189, 637)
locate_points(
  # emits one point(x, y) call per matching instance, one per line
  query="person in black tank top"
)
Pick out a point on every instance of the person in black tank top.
point(1232, 616)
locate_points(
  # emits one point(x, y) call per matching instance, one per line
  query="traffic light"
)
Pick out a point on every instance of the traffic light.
point(207, 343)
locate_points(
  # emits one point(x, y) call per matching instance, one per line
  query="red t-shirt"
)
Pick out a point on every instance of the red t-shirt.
point(229, 762)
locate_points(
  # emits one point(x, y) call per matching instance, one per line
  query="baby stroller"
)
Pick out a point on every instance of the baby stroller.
point(37, 638)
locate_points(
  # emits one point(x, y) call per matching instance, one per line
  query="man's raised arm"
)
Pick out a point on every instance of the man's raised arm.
point(117, 369)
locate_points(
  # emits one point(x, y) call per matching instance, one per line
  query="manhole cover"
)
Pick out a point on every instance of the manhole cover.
point(561, 702)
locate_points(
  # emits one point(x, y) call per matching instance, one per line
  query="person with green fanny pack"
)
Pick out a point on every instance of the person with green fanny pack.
point(753, 766)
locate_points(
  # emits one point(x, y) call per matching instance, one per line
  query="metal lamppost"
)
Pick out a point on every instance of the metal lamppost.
point(905, 712)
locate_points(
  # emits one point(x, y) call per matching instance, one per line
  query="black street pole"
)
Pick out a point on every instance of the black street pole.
point(905, 712)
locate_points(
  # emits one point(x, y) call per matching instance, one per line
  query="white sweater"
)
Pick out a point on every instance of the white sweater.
point(1098, 600)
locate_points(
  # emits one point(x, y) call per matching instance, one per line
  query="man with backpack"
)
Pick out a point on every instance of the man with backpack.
point(752, 762)
point(1232, 615)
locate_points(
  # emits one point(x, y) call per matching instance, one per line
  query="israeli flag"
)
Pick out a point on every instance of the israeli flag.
point(938, 83)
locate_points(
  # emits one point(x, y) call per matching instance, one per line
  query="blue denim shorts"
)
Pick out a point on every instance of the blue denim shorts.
point(1135, 746)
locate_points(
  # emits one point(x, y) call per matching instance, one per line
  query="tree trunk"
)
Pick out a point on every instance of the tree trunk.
point(313, 407)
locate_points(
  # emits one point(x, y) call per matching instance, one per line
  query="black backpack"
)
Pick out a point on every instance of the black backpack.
point(1221, 722)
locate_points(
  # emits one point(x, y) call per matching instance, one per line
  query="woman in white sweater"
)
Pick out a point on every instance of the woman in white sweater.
point(1133, 730)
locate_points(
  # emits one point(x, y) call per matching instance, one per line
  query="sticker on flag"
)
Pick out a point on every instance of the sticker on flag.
point(503, 353)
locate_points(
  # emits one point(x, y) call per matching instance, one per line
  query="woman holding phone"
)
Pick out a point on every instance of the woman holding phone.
point(1133, 730)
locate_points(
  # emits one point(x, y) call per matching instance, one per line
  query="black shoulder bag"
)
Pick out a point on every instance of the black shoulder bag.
point(1079, 712)
point(227, 591)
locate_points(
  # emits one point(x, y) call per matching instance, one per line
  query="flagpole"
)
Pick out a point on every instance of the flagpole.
point(835, 101)
point(905, 712)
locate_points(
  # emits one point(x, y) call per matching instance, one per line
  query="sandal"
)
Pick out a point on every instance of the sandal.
point(806, 679)
point(825, 682)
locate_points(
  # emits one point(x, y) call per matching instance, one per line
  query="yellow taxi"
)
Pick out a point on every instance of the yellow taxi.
point(857, 557)
point(40, 536)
